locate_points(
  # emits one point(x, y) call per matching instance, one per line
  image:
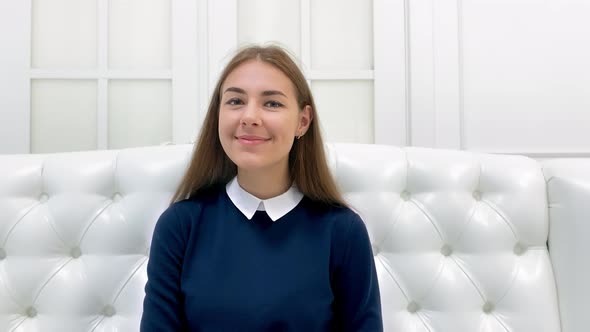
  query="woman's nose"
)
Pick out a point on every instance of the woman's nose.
point(251, 116)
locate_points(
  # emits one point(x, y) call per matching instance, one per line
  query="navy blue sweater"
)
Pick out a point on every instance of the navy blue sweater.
point(212, 269)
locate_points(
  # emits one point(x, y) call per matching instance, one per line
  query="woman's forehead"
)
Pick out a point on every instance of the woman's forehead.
point(256, 76)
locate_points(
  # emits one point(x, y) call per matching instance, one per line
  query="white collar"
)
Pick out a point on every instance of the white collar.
point(275, 207)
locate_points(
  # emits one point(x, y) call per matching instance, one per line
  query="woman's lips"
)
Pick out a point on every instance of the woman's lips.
point(251, 139)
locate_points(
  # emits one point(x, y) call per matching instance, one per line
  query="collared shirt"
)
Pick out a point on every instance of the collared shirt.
point(275, 207)
point(260, 271)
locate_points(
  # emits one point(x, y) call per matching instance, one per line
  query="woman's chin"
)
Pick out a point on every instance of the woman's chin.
point(251, 162)
point(249, 165)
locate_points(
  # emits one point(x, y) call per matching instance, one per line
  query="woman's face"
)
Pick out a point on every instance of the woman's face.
point(259, 117)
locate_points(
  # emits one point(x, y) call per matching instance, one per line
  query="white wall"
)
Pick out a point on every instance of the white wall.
point(14, 83)
point(501, 76)
point(509, 76)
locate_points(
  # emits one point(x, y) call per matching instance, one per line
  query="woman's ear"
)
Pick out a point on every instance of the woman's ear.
point(305, 118)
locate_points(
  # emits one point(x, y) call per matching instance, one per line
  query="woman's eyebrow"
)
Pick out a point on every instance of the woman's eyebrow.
point(273, 92)
point(234, 89)
point(265, 93)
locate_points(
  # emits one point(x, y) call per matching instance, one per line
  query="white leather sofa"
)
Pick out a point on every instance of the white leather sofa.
point(460, 239)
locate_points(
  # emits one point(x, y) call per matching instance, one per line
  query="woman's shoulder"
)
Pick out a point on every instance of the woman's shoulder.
point(182, 214)
point(341, 217)
point(347, 230)
point(198, 200)
point(328, 209)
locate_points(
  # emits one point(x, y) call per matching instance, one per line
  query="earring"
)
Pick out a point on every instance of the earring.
point(298, 137)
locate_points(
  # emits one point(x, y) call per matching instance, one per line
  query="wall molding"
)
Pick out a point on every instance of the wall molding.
point(340, 74)
point(15, 89)
point(535, 153)
point(391, 72)
point(100, 73)
point(461, 81)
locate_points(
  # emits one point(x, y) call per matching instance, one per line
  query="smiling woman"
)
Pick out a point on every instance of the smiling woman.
point(257, 237)
point(258, 121)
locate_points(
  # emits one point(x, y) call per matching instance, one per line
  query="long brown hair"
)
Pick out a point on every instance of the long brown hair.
point(210, 166)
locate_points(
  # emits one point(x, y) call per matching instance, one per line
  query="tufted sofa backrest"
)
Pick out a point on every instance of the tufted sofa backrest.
point(459, 238)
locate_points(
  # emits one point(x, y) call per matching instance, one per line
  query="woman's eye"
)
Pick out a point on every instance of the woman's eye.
point(234, 101)
point(273, 104)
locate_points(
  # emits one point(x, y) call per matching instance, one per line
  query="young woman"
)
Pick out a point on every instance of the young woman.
point(258, 238)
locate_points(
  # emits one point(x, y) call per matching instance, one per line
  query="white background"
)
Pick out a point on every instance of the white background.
point(506, 76)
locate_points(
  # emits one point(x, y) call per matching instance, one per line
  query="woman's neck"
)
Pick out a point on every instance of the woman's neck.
point(264, 184)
